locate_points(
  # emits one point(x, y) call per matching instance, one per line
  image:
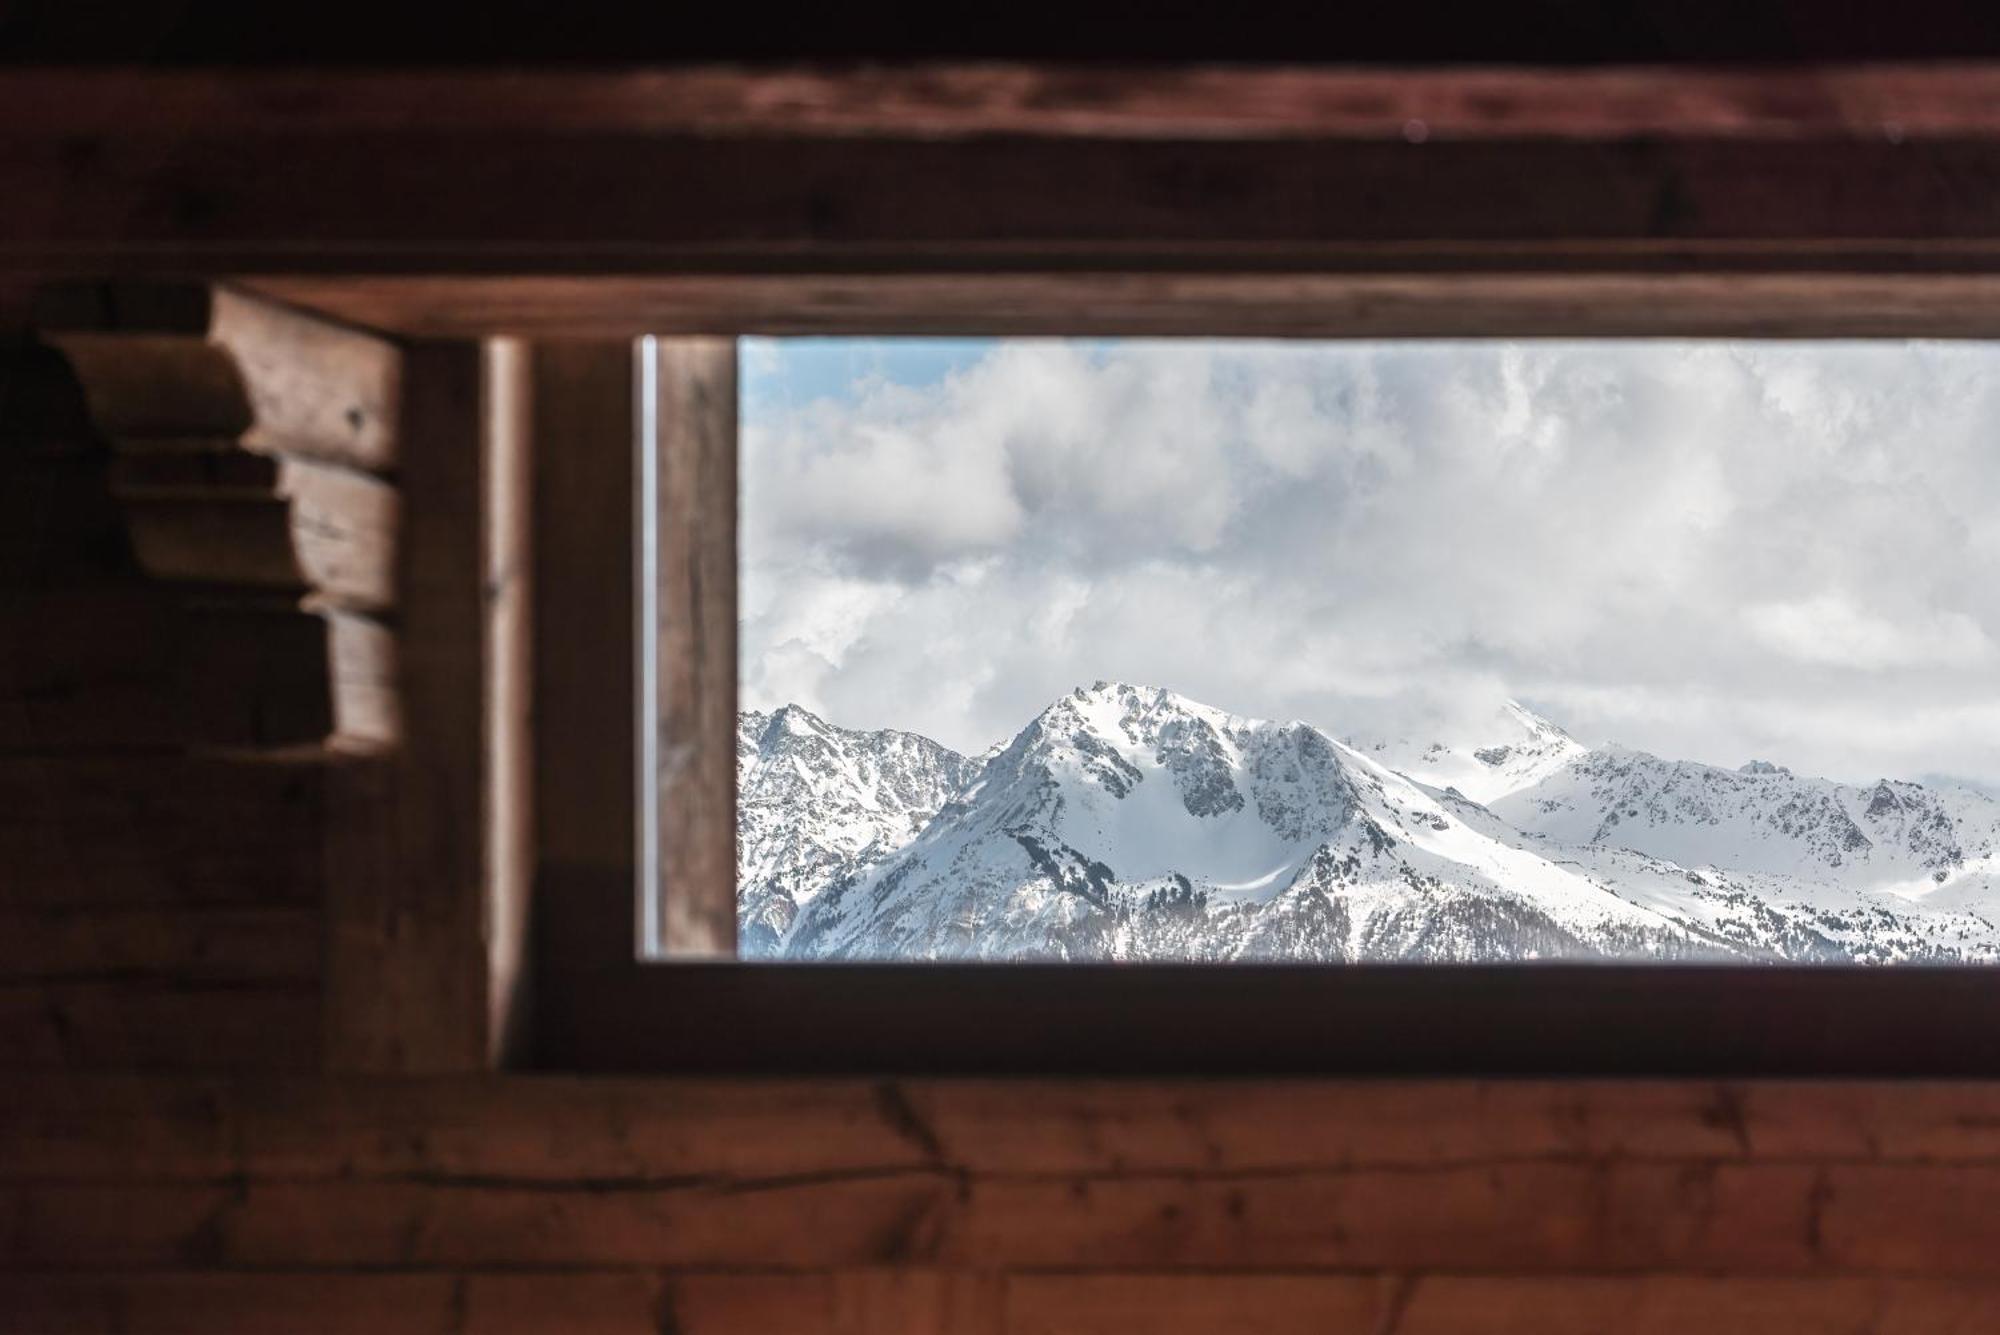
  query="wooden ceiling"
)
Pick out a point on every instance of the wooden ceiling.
point(1282, 200)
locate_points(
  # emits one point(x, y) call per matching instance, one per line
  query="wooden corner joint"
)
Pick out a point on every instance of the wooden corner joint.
point(254, 451)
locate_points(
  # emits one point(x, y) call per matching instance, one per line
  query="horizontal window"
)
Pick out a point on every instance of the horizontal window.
point(1487, 651)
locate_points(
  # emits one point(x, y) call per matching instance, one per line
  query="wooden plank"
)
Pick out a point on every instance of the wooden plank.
point(420, 201)
point(602, 1012)
point(647, 1130)
point(190, 829)
point(1504, 1305)
point(416, 944)
point(193, 1303)
point(316, 529)
point(480, 1303)
point(1222, 1304)
point(170, 1025)
point(316, 389)
point(585, 691)
point(248, 945)
point(181, 360)
point(508, 816)
point(1452, 304)
point(694, 581)
point(931, 1302)
point(951, 101)
point(90, 667)
point(146, 385)
point(271, 675)
point(125, 667)
point(1658, 1305)
point(104, 1127)
point(1527, 1218)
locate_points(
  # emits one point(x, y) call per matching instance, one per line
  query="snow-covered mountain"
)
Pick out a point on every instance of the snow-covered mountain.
point(1131, 823)
point(1516, 748)
point(816, 803)
point(1889, 871)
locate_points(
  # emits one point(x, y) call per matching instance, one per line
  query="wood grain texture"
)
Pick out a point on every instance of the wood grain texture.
point(274, 549)
point(305, 528)
point(142, 386)
point(694, 508)
point(1415, 304)
point(482, 1202)
point(407, 977)
point(420, 201)
point(667, 1132)
point(585, 650)
point(1531, 1219)
point(953, 101)
point(316, 389)
point(190, 360)
point(508, 739)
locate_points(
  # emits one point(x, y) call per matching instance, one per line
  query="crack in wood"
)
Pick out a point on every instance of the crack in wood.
point(1728, 1110)
point(893, 1101)
point(1401, 1292)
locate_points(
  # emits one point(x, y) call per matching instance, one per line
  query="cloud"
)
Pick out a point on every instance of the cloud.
point(1710, 550)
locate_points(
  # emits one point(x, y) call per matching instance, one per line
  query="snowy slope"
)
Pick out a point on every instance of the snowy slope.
point(1516, 749)
point(1919, 843)
point(1802, 867)
point(816, 802)
point(1129, 822)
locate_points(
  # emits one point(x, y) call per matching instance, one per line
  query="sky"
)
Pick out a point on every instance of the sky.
point(1712, 551)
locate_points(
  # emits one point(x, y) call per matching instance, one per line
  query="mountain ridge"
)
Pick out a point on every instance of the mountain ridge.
point(1129, 822)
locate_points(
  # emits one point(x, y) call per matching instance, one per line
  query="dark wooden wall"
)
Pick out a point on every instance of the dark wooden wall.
point(242, 1094)
point(179, 1150)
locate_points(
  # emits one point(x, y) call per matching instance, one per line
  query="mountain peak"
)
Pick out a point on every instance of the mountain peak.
point(1129, 821)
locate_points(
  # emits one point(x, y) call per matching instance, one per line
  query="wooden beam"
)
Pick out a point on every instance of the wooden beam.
point(181, 361)
point(419, 199)
point(241, 431)
point(193, 360)
point(1552, 1218)
point(935, 1301)
point(585, 632)
point(1449, 304)
point(623, 1134)
point(585, 397)
point(285, 524)
point(507, 817)
point(425, 896)
point(958, 101)
point(693, 506)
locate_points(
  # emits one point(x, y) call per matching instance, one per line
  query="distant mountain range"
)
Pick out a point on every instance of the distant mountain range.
point(1128, 822)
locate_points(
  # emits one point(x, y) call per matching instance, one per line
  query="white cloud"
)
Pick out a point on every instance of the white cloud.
point(1708, 550)
point(1829, 629)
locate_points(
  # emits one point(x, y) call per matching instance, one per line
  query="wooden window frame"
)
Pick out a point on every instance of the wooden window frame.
point(693, 1009)
point(576, 211)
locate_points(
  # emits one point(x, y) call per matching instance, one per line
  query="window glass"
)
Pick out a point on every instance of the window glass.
point(1353, 652)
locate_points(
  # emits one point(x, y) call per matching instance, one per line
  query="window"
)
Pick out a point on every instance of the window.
point(1419, 652)
point(1747, 987)
point(1421, 203)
